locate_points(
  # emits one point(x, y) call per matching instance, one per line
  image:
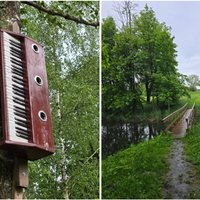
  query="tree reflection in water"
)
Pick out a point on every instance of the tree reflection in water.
point(119, 136)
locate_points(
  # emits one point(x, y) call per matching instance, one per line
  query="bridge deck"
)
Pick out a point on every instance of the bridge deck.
point(179, 130)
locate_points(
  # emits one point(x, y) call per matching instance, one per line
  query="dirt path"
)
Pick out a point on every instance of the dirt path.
point(180, 182)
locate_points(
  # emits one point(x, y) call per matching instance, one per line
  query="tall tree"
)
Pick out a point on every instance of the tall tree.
point(156, 49)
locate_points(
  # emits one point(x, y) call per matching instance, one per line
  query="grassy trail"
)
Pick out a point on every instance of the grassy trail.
point(181, 181)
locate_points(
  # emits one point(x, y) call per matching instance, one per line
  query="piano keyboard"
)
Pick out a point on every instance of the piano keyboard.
point(16, 91)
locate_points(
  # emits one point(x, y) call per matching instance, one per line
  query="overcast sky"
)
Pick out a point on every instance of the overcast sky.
point(184, 19)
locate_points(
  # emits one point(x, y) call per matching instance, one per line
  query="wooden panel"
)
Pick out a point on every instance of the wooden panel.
point(38, 89)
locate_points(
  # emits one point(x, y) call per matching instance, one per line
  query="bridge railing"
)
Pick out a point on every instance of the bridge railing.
point(171, 119)
point(190, 118)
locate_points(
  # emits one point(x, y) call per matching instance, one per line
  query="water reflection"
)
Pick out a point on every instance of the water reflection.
point(119, 136)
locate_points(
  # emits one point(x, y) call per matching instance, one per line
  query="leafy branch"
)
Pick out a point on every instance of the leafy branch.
point(63, 15)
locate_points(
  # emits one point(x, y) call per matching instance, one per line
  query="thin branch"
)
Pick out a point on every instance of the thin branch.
point(91, 155)
point(65, 16)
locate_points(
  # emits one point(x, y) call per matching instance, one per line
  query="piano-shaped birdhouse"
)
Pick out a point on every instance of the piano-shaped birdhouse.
point(25, 118)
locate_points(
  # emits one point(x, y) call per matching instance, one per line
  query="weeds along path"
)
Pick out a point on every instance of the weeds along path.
point(181, 180)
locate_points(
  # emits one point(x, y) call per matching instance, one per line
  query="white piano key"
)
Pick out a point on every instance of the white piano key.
point(9, 37)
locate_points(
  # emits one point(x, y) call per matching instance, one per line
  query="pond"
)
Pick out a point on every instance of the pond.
point(118, 136)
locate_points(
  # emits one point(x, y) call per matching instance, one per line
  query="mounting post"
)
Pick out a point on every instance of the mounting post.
point(20, 178)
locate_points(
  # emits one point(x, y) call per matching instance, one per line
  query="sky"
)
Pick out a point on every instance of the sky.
point(184, 19)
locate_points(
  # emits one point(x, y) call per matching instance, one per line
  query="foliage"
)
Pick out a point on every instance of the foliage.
point(81, 12)
point(137, 172)
point(72, 59)
point(193, 81)
point(138, 62)
point(109, 30)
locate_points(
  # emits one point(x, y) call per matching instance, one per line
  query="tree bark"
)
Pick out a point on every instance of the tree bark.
point(66, 16)
point(148, 93)
point(62, 144)
point(9, 19)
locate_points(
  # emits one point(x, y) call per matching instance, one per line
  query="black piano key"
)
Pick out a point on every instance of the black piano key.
point(19, 102)
point(23, 121)
point(20, 115)
point(22, 90)
point(17, 72)
point(22, 135)
point(15, 43)
point(19, 94)
point(18, 77)
point(20, 87)
point(19, 110)
point(15, 48)
point(15, 61)
point(22, 124)
point(20, 82)
point(15, 55)
point(17, 67)
point(23, 131)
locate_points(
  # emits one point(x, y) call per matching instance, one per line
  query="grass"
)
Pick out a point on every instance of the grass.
point(137, 172)
point(192, 140)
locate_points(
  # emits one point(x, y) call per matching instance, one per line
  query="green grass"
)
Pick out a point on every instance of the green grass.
point(192, 139)
point(137, 172)
point(194, 97)
point(192, 150)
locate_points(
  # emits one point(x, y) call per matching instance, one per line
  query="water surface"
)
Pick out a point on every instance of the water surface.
point(120, 135)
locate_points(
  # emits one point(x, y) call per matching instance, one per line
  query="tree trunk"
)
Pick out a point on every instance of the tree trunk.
point(148, 93)
point(9, 19)
point(62, 144)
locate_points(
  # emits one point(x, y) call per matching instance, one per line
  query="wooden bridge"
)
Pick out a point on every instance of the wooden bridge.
point(179, 121)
